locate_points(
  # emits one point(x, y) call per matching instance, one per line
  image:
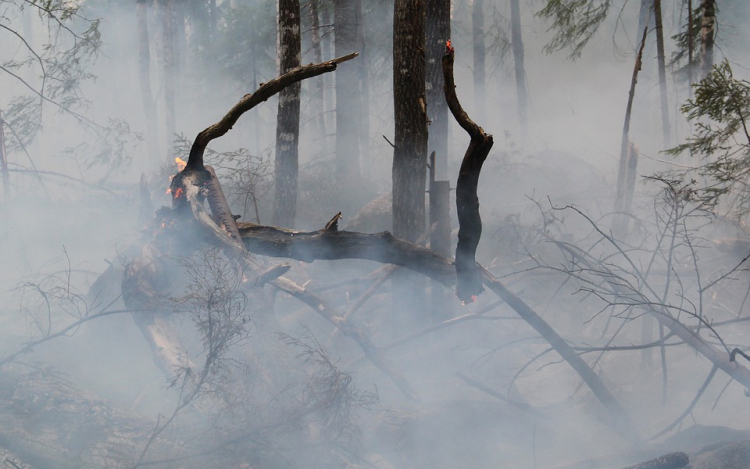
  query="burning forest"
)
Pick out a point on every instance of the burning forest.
point(374, 234)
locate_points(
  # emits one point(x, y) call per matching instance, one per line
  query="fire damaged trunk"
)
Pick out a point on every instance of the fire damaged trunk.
point(287, 120)
point(467, 202)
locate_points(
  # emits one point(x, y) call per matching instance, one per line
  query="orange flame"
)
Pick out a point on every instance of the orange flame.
point(448, 45)
point(180, 163)
point(178, 192)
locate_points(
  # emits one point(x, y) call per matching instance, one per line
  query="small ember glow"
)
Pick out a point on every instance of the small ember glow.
point(448, 45)
point(178, 192)
point(180, 163)
point(472, 300)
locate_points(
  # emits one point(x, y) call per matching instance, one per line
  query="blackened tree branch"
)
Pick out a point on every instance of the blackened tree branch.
point(249, 101)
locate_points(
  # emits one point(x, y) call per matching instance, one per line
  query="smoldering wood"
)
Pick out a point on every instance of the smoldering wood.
point(469, 283)
point(196, 182)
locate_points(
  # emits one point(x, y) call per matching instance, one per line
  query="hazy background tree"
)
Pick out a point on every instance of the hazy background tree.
point(287, 122)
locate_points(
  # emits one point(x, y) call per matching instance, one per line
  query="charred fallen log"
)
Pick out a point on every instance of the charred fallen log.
point(329, 244)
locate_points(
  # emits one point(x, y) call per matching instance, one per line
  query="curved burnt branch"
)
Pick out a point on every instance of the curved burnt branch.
point(249, 101)
point(469, 283)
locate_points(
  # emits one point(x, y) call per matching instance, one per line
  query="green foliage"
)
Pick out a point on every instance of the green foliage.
point(719, 113)
point(574, 23)
point(53, 74)
point(682, 40)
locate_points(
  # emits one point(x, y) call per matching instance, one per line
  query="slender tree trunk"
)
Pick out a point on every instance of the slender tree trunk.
point(691, 47)
point(4, 160)
point(518, 58)
point(144, 75)
point(440, 239)
point(318, 83)
point(645, 20)
point(438, 26)
point(364, 91)
point(170, 69)
point(287, 121)
point(327, 50)
point(708, 32)
point(662, 74)
point(620, 226)
point(409, 172)
point(477, 21)
point(348, 103)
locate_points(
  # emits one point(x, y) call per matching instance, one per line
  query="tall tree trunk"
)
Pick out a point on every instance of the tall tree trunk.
point(708, 23)
point(477, 21)
point(662, 74)
point(144, 75)
point(170, 72)
point(318, 83)
point(4, 160)
point(328, 78)
point(691, 47)
point(348, 104)
point(620, 225)
point(409, 172)
point(438, 26)
point(364, 92)
point(518, 58)
point(410, 111)
point(287, 121)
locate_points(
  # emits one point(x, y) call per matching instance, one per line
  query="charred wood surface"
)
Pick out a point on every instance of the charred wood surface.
point(467, 202)
point(323, 244)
